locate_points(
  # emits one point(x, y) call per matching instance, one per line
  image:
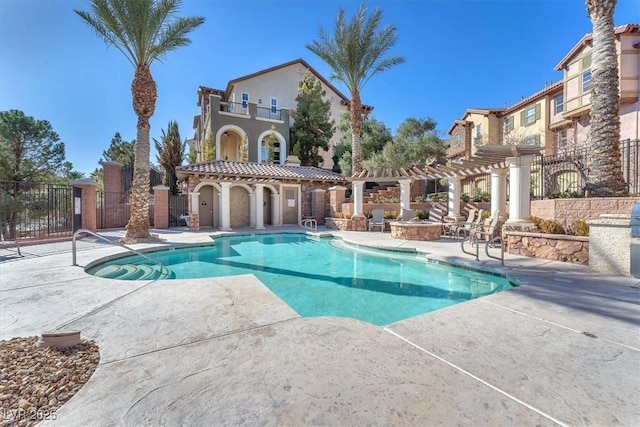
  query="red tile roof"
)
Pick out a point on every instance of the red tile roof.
point(224, 168)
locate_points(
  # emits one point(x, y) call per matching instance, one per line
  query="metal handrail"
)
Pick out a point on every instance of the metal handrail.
point(84, 231)
point(309, 224)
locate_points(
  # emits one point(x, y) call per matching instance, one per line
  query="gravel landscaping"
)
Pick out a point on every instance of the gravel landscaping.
point(36, 381)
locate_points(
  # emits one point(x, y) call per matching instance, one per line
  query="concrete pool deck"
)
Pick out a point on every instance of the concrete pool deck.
point(562, 349)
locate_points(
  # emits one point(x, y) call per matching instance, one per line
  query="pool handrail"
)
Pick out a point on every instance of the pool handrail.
point(85, 231)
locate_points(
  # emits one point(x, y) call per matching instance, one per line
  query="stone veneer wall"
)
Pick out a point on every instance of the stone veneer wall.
point(565, 211)
point(557, 247)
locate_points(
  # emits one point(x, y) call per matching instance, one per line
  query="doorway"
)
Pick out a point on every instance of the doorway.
point(290, 208)
point(208, 209)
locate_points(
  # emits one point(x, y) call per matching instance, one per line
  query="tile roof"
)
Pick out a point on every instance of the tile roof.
point(224, 168)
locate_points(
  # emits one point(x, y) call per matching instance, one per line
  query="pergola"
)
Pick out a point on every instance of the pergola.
point(494, 159)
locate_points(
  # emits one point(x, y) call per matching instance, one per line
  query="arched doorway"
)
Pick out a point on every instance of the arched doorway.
point(228, 141)
point(208, 210)
point(279, 147)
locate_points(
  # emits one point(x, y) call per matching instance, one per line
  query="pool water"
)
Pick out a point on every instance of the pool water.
point(327, 277)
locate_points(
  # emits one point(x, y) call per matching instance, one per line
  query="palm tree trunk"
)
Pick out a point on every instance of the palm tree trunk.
point(143, 89)
point(606, 179)
point(356, 130)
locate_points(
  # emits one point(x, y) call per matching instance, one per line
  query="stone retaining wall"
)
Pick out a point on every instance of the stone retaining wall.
point(565, 211)
point(416, 231)
point(557, 247)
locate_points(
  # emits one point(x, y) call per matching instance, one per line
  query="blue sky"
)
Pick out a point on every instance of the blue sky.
point(459, 55)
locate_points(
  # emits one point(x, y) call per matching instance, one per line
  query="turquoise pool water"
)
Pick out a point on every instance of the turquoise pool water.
point(326, 277)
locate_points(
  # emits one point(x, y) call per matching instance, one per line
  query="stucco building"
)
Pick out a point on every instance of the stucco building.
point(251, 105)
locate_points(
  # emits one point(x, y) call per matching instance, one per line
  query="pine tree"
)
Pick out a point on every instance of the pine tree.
point(312, 129)
point(170, 154)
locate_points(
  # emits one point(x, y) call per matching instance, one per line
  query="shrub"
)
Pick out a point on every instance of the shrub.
point(391, 215)
point(581, 228)
point(368, 215)
point(439, 197)
point(420, 199)
point(422, 214)
point(547, 226)
point(344, 215)
point(465, 197)
point(383, 199)
point(485, 215)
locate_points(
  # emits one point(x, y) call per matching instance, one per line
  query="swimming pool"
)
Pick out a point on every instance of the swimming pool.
point(322, 277)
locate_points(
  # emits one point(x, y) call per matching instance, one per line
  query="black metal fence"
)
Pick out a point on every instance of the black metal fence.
point(567, 174)
point(155, 178)
point(476, 188)
point(178, 206)
point(112, 209)
point(30, 210)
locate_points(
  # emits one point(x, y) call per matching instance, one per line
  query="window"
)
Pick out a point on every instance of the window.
point(245, 99)
point(479, 130)
point(508, 124)
point(264, 151)
point(562, 138)
point(532, 140)
point(529, 115)
point(585, 62)
point(274, 105)
point(456, 140)
point(586, 81)
point(559, 102)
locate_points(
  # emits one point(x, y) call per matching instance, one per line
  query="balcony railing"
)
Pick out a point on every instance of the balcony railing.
point(234, 107)
point(269, 113)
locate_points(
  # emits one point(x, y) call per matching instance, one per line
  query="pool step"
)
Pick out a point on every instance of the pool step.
point(135, 272)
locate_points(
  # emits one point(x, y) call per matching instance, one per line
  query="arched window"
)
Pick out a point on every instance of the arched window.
point(264, 151)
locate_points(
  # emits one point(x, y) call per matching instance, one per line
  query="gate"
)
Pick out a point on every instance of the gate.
point(178, 206)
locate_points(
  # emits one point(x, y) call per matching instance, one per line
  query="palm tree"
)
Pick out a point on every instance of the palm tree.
point(354, 52)
point(170, 154)
point(144, 31)
point(606, 178)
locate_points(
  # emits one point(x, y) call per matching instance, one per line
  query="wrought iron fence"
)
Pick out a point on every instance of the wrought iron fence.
point(112, 209)
point(30, 210)
point(177, 207)
point(235, 107)
point(477, 188)
point(567, 174)
point(155, 178)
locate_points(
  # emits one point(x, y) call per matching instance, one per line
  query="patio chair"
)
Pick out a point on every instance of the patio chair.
point(468, 228)
point(456, 226)
point(485, 232)
point(435, 216)
point(377, 219)
point(408, 215)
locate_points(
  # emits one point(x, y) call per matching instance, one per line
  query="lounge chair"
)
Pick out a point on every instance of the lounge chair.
point(377, 219)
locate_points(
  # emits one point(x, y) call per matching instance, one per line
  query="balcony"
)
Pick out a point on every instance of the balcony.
point(234, 108)
point(269, 113)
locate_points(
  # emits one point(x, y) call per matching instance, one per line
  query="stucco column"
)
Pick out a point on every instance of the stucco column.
point(89, 203)
point(225, 206)
point(276, 218)
point(194, 211)
point(405, 193)
point(454, 198)
point(336, 199)
point(258, 208)
point(160, 206)
point(499, 192)
point(358, 192)
point(252, 209)
point(519, 190)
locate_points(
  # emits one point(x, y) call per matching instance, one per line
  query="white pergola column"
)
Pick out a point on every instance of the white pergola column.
point(225, 206)
point(519, 190)
point(276, 218)
point(454, 198)
point(499, 192)
point(405, 193)
point(252, 209)
point(258, 208)
point(358, 192)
